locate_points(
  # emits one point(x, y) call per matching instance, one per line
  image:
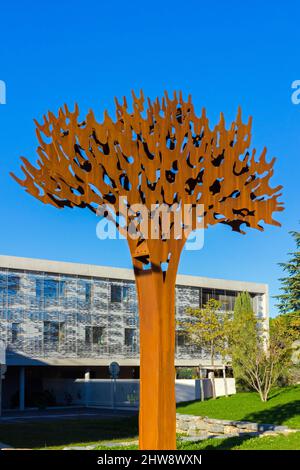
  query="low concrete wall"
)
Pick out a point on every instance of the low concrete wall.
point(190, 389)
point(199, 426)
point(124, 393)
point(220, 387)
point(187, 390)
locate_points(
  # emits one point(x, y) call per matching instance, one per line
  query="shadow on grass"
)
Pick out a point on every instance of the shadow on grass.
point(61, 433)
point(278, 414)
point(283, 391)
point(228, 443)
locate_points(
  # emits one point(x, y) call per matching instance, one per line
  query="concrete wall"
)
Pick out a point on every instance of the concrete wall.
point(220, 387)
point(125, 393)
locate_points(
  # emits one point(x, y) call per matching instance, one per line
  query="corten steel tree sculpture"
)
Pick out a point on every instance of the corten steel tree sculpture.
point(164, 154)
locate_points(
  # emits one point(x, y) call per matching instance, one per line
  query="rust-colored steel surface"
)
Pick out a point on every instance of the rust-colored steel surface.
point(158, 154)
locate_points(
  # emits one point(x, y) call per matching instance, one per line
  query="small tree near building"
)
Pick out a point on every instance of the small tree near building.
point(256, 359)
point(206, 329)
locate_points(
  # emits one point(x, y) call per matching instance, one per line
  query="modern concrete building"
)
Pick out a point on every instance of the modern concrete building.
point(69, 320)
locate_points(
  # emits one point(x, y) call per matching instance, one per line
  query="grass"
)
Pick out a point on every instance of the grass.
point(58, 434)
point(281, 442)
point(283, 407)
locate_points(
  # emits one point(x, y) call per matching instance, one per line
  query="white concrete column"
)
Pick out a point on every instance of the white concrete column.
point(87, 377)
point(22, 389)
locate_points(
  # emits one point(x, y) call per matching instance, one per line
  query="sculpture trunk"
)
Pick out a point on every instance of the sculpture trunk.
point(157, 415)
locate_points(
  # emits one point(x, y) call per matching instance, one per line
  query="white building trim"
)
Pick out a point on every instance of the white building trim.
point(91, 270)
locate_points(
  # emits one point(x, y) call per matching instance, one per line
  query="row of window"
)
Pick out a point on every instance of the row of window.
point(54, 289)
point(54, 332)
point(49, 288)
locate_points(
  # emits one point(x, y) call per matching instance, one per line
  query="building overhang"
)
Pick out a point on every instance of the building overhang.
point(19, 359)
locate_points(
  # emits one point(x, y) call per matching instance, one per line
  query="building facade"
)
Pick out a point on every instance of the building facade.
point(66, 320)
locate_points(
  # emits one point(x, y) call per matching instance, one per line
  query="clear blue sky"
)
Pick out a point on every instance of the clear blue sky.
point(224, 53)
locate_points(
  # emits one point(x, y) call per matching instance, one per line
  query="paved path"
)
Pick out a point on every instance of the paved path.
point(62, 414)
point(4, 446)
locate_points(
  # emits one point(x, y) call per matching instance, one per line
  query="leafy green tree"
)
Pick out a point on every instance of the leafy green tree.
point(258, 357)
point(206, 329)
point(289, 307)
point(289, 323)
point(288, 326)
point(289, 300)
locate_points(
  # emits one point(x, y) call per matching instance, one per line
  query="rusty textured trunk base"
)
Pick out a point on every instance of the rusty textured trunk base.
point(157, 415)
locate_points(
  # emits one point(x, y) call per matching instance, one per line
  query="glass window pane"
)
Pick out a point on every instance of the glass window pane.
point(14, 332)
point(88, 292)
point(125, 292)
point(13, 284)
point(116, 293)
point(39, 288)
point(130, 337)
point(181, 339)
point(51, 331)
point(207, 294)
point(97, 334)
point(88, 335)
point(50, 288)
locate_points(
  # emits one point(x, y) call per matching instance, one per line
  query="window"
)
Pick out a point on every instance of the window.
point(206, 295)
point(54, 331)
point(51, 288)
point(39, 288)
point(125, 293)
point(3, 283)
point(13, 284)
point(181, 338)
point(14, 332)
point(130, 337)
point(88, 293)
point(9, 284)
point(221, 297)
point(230, 299)
point(116, 293)
point(94, 335)
point(119, 293)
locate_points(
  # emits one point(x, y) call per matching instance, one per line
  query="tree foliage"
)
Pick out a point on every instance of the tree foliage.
point(258, 359)
point(289, 300)
point(205, 328)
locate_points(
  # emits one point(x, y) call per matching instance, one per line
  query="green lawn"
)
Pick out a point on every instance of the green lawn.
point(291, 442)
point(283, 407)
point(62, 433)
point(281, 442)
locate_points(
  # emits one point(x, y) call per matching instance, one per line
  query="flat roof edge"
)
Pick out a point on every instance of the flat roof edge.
point(91, 270)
